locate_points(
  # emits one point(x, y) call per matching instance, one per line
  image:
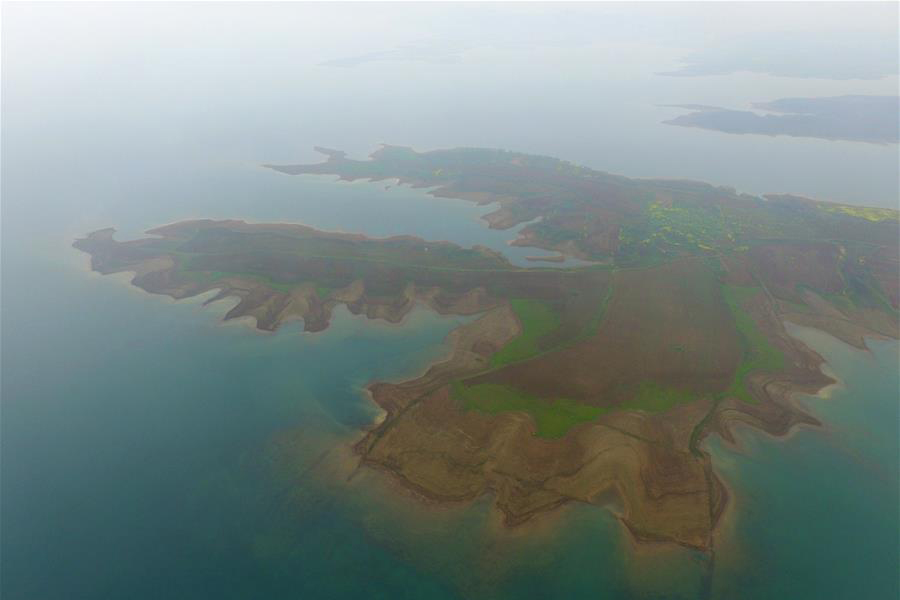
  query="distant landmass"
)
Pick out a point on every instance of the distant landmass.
point(874, 119)
point(580, 384)
point(851, 55)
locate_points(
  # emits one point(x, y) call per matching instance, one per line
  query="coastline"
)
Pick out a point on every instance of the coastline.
point(640, 545)
point(791, 397)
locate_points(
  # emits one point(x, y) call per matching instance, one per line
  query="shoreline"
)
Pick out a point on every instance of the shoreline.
point(724, 520)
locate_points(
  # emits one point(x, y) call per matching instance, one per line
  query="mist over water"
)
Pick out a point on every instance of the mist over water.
point(149, 451)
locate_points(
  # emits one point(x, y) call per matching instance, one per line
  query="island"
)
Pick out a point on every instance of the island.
point(569, 384)
point(872, 119)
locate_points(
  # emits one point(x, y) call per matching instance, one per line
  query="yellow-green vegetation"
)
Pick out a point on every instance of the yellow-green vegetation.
point(875, 215)
point(652, 397)
point(674, 227)
point(553, 418)
point(537, 320)
point(690, 226)
point(758, 353)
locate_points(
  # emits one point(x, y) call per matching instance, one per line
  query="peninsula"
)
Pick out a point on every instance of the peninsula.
point(571, 384)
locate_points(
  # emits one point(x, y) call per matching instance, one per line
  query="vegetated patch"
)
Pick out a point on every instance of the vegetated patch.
point(653, 397)
point(537, 319)
point(869, 213)
point(553, 418)
point(758, 353)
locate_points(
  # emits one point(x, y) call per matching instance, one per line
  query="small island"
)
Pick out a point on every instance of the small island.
point(572, 384)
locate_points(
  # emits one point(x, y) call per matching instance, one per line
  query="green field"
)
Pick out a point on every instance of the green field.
point(758, 353)
point(553, 418)
point(537, 319)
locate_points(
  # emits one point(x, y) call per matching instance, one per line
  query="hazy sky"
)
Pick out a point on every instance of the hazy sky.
point(113, 32)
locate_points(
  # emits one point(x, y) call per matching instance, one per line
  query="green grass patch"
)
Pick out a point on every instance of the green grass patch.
point(553, 418)
point(652, 397)
point(323, 291)
point(537, 319)
point(758, 353)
